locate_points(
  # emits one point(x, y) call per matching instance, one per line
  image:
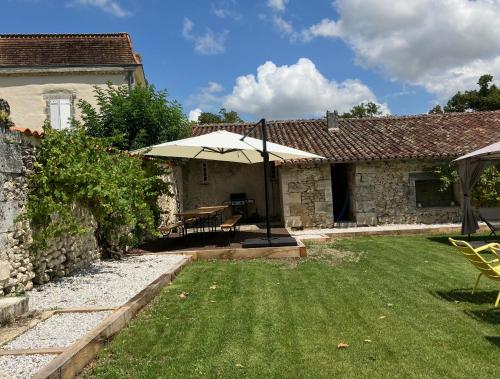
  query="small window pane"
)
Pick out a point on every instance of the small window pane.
point(204, 172)
point(429, 194)
point(60, 113)
point(55, 121)
point(65, 113)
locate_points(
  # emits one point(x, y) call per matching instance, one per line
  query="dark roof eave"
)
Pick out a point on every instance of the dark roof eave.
point(41, 67)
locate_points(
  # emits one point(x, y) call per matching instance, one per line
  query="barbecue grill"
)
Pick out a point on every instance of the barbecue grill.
point(239, 204)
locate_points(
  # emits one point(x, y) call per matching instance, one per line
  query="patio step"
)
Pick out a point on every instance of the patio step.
point(11, 307)
point(344, 224)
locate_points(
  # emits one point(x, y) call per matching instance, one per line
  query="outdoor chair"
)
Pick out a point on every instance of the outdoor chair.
point(490, 269)
point(491, 216)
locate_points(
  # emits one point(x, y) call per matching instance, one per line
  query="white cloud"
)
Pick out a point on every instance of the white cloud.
point(325, 28)
point(208, 97)
point(294, 91)
point(440, 45)
point(277, 5)
point(222, 12)
point(194, 114)
point(283, 25)
point(109, 6)
point(210, 43)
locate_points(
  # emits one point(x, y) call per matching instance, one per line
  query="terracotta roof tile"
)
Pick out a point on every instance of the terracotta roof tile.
point(31, 50)
point(447, 135)
point(27, 131)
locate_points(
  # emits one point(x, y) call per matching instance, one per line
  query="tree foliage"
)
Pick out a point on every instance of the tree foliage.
point(486, 193)
point(119, 190)
point(224, 117)
point(369, 109)
point(485, 98)
point(143, 116)
point(5, 121)
point(436, 110)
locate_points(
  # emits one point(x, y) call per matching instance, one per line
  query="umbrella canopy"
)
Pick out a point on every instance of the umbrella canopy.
point(225, 146)
point(490, 152)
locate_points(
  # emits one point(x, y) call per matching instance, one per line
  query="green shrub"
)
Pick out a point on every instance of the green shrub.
point(120, 190)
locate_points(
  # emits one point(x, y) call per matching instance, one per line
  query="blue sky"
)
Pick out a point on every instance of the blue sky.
point(290, 58)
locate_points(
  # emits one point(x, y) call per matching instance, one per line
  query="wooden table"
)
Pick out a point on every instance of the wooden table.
point(203, 213)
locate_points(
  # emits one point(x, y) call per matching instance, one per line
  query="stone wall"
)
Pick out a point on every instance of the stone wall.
point(307, 196)
point(19, 267)
point(66, 254)
point(17, 155)
point(171, 203)
point(225, 178)
point(383, 193)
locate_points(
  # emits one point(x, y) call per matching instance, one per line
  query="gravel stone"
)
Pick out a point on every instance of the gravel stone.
point(22, 366)
point(60, 330)
point(103, 284)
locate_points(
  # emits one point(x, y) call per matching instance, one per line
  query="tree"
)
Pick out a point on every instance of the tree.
point(486, 98)
point(369, 109)
point(5, 121)
point(436, 110)
point(224, 117)
point(143, 116)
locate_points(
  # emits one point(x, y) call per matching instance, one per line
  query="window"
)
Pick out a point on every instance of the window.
point(60, 113)
point(273, 170)
point(204, 173)
point(428, 193)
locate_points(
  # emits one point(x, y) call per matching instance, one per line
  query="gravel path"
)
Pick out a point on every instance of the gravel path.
point(22, 366)
point(60, 330)
point(104, 284)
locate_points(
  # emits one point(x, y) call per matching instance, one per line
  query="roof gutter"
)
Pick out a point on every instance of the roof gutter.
point(63, 68)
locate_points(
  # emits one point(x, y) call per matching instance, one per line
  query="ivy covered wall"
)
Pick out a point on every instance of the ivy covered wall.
point(19, 266)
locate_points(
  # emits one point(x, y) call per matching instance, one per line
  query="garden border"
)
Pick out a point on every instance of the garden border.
point(298, 251)
point(75, 357)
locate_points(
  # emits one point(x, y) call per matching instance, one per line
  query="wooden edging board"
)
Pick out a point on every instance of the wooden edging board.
point(43, 350)
point(77, 356)
point(241, 253)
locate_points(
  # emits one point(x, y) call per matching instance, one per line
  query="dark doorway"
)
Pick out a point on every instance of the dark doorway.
point(340, 191)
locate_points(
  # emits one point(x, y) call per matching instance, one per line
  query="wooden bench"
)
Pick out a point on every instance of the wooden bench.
point(166, 230)
point(229, 225)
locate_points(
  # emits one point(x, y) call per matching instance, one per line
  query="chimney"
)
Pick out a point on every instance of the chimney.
point(332, 121)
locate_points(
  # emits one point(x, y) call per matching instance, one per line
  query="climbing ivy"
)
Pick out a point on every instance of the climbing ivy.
point(120, 190)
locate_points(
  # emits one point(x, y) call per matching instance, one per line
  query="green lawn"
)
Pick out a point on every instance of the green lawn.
point(403, 305)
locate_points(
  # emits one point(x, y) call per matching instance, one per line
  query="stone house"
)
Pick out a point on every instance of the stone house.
point(42, 76)
point(377, 170)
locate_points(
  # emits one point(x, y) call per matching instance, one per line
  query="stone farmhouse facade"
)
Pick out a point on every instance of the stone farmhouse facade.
point(42, 76)
point(377, 170)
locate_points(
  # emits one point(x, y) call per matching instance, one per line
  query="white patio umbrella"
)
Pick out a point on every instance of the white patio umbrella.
point(225, 146)
point(231, 147)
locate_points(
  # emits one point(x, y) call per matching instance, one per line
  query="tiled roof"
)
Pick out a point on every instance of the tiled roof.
point(32, 50)
point(438, 136)
point(27, 131)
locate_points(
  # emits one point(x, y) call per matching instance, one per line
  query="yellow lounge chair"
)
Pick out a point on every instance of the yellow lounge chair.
point(491, 269)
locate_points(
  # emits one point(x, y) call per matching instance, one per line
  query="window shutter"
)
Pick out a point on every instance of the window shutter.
point(55, 119)
point(65, 113)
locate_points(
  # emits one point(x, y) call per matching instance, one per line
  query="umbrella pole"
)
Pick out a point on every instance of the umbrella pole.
point(265, 156)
